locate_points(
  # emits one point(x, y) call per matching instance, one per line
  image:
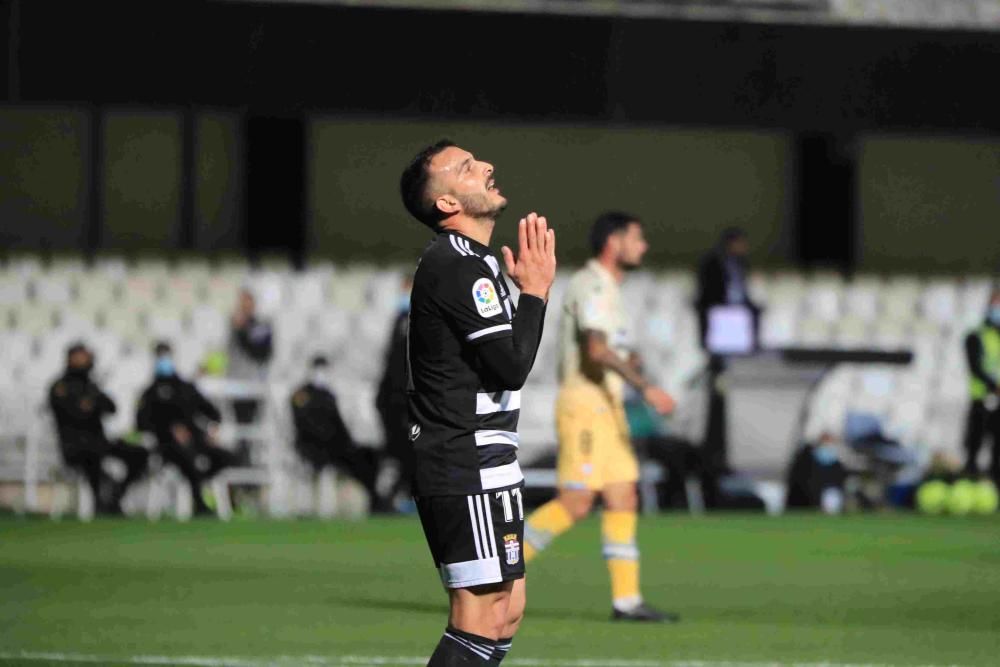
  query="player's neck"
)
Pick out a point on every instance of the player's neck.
point(479, 230)
point(610, 265)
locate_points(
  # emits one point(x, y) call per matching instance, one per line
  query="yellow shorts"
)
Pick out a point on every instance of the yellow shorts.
point(594, 445)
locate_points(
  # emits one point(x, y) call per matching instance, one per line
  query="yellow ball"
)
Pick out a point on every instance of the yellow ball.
point(962, 497)
point(931, 497)
point(986, 498)
point(216, 363)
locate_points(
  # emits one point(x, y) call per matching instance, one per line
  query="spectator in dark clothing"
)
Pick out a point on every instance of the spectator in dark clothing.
point(391, 400)
point(723, 278)
point(982, 351)
point(251, 345)
point(79, 405)
point(322, 437)
point(722, 281)
point(183, 421)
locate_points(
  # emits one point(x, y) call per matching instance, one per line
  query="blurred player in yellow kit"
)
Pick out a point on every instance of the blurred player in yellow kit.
point(595, 451)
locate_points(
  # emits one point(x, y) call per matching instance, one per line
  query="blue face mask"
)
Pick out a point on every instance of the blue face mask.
point(403, 303)
point(994, 315)
point(164, 367)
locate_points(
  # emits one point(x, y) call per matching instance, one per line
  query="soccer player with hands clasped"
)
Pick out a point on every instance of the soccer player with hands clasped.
point(470, 351)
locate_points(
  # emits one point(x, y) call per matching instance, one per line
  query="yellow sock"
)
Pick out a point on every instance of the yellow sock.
point(544, 525)
point(622, 553)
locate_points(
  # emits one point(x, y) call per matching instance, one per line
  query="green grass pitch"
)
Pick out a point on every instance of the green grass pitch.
point(800, 589)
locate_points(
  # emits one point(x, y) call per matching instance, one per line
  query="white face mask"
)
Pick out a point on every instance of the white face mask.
point(320, 378)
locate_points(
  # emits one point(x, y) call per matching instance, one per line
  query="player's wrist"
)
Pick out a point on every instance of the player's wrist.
point(536, 292)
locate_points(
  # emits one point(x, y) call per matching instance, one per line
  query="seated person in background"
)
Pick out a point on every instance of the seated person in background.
point(183, 421)
point(322, 438)
point(391, 400)
point(653, 441)
point(79, 405)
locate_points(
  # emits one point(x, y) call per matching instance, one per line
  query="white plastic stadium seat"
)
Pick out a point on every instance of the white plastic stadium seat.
point(861, 298)
point(939, 302)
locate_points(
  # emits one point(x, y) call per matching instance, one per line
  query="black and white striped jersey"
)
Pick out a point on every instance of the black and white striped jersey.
point(463, 426)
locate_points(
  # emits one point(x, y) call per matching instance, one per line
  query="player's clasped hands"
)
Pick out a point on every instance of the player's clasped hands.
point(534, 268)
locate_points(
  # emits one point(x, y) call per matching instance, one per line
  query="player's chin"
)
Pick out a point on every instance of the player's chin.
point(499, 203)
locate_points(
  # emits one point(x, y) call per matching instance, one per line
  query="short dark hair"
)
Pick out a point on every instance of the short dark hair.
point(608, 223)
point(162, 347)
point(76, 346)
point(730, 234)
point(413, 185)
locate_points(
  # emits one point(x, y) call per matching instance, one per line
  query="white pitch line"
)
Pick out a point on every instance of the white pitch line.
point(386, 661)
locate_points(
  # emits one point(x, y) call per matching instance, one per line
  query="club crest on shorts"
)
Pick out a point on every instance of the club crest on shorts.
point(512, 547)
point(484, 295)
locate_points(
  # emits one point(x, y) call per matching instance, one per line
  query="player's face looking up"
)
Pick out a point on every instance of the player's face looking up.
point(630, 245)
point(461, 184)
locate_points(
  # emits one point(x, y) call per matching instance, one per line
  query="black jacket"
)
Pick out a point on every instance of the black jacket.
point(78, 405)
point(171, 400)
point(713, 281)
point(317, 417)
point(974, 357)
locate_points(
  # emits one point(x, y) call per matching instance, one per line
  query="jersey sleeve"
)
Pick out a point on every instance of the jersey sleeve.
point(594, 308)
point(473, 304)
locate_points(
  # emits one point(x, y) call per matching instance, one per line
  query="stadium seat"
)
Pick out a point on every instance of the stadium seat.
point(862, 298)
point(779, 325)
point(822, 299)
point(939, 302)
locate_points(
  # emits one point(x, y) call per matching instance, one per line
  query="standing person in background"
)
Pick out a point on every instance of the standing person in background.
point(723, 280)
point(982, 351)
point(79, 406)
point(323, 439)
point(595, 449)
point(251, 344)
point(183, 421)
point(723, 277)
point(391, 401)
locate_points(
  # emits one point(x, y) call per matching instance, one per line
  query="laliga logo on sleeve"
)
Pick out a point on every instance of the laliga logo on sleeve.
point(484, 295)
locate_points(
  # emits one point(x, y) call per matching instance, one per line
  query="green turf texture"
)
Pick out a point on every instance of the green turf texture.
point(885, 589)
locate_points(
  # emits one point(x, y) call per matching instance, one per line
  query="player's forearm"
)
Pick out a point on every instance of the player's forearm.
point(509, 360)
point(608, 360)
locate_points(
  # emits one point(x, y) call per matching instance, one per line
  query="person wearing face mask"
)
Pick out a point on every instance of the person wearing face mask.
point(322, 437)
point(391, 401)
point(184, 422)
point(79, 405)
point(982, 351)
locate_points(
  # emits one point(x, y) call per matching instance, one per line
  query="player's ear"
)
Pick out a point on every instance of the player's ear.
point(448, 204)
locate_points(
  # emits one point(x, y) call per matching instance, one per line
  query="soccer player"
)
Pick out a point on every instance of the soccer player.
point(595, 453)
point(470, 352)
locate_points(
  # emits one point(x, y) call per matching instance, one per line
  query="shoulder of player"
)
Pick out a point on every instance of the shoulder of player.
point(457, 260)
point(585, 282)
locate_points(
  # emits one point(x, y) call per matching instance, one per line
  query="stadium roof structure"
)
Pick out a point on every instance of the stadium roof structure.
point(976, 15)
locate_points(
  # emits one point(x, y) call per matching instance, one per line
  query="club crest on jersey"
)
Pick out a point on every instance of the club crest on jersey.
point(512, 547)
point(414, 432)
point(484, 295)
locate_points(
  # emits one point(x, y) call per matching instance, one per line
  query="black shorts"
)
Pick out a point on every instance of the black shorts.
point(475, 540)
